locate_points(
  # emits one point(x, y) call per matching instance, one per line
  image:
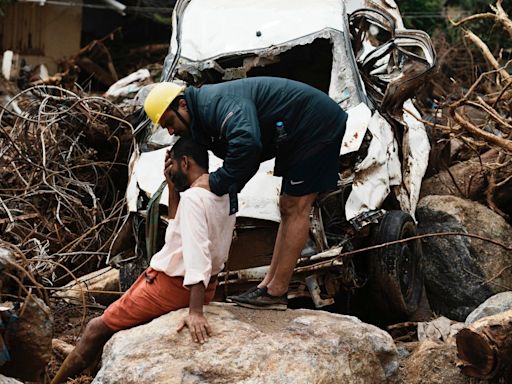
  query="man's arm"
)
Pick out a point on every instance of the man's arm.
point(196, 322)
point(238, 124)
point(198, 266)
point(174, 196)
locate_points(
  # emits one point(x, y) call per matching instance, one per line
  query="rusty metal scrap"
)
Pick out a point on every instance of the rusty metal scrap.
point(61, 161)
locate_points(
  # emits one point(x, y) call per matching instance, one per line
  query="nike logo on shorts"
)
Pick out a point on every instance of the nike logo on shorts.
point(296, 182)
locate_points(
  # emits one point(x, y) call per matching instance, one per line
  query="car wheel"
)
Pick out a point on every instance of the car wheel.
point(395, 272)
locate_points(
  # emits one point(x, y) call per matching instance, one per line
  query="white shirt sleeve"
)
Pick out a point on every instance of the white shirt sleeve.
point(195, 241)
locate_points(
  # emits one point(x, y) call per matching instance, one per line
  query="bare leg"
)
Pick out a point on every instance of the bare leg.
point(291, 237)
point(273, 264)
point(95, 336)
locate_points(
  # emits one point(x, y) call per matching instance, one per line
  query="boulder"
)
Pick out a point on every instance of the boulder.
point(498, 303)
point(30, 346)
point(8, 380)
point(432, 363)
point(250, 346)
point(461, 272)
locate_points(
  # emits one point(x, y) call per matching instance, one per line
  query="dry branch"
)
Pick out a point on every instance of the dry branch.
point(488, 55)
point(482, 117)
point(500, 16)
point(487, 136)
point(61, 161)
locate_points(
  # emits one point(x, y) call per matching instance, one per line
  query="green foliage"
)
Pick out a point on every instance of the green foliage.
point(477, 6)
point(166, 20)
point(430, 16)
point(426, 15)
point(488, 30)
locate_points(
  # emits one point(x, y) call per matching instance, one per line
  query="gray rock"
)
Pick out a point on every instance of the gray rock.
point(249, 346)
point(30, 346)
point(8, 380)
point(462, 272)
point(432, 363)
point(498, 303)
point(440, 329)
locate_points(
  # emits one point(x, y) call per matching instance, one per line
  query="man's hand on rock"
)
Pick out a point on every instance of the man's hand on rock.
point(199, 328)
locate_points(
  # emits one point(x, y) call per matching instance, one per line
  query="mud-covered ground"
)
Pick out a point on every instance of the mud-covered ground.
point(69, 321)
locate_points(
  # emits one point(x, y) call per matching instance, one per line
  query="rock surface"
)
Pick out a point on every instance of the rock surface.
point(462, 272)
point(498, 303)
point(440, 329)
point(432, 363)
point(31, 345)
point(8, 380)
point(248, 346)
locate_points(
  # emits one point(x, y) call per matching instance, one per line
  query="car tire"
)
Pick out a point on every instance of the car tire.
point(395, 273)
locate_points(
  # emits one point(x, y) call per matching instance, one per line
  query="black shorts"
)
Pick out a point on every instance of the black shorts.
point(316, 173)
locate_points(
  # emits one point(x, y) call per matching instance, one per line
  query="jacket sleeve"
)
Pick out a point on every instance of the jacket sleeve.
point(238, 122)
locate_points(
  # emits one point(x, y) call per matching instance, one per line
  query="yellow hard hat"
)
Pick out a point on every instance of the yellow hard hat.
point(159, 99)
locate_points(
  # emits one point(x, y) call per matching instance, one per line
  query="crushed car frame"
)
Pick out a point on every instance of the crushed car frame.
point(359, 53)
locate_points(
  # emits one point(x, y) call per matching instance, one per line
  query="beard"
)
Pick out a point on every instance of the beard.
point(180, 181)
point(186, 133)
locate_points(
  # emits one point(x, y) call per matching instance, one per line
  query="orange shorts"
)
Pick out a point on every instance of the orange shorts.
point(152, 295)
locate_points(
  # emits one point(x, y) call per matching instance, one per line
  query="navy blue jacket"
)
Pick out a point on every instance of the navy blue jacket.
point(237, 121)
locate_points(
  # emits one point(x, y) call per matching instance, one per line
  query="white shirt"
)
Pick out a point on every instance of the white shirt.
point(197, 241)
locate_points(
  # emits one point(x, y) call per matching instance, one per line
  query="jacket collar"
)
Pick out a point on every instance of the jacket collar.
point(198, 133)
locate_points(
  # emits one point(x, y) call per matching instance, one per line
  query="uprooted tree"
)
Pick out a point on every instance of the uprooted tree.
point(480, 118)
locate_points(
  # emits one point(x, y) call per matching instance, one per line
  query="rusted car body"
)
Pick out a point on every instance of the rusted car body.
point(359, 53)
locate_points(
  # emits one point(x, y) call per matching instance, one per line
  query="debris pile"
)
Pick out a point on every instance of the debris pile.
point(63, 163)
point(478, 122)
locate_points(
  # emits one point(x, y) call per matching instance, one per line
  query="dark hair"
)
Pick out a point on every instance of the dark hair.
point(175, 103)
point(188, 147)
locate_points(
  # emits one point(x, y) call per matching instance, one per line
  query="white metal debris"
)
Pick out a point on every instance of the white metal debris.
point(129, 84)
point(378, 171)
point(416, 149)
point(357, 123)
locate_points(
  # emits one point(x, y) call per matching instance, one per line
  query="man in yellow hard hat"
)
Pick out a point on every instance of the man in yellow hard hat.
point(246, 122)
point(165, 105)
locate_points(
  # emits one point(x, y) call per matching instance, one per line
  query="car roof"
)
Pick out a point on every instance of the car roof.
point(212, 28)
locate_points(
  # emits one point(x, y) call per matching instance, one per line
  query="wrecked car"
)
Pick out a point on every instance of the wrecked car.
point(362, 57)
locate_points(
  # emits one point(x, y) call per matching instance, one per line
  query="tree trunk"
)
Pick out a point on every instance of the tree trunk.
point(468, 179)
point(485, 347)
point(465, 179)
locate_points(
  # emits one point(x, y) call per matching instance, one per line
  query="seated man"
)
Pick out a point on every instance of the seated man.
point(197, 242)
